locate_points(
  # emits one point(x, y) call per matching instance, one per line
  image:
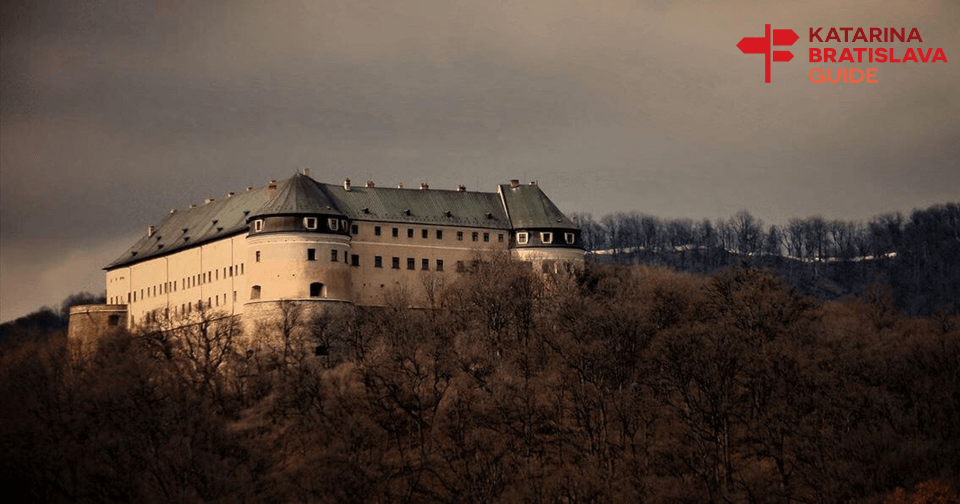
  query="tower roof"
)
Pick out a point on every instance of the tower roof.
point(528, 208)
point(299, 194)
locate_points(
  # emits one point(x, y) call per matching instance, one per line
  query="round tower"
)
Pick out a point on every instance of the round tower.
point(298, 252)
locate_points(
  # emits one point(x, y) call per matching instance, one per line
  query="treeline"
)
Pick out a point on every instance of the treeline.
point(613, 384)
point(44, 324)
point(919, 256)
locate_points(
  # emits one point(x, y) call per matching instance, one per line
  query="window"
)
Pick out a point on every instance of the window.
point(354, 260)
point(258, 225)
point(113, 320)
point(231, 270)
point(343, 224)
point(500, 237)
point(522, 238)
point(424, 233)
point(486, 237)
point(410, 233)
point(459, 235)
point(354, 229)
point(333, 255)
point(316, 289)
point(396, 263)
point(460, 267)
point(548, 267)
point(333, 224)
point(311, 254)
point(255, 292)
point(475, 236)
point(396, 232)
point(546, 237)
point(378, 262)
point(439, 234)
point(425, 264)
point(258, 256)
point(569, 238)
point(439, 264)
point(411, 263)
point(376, 230)
point(310, 222)
point(241, 268)
point(234, 296)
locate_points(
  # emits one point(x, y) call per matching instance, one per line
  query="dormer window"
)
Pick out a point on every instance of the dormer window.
point(333, 224)
point(569, 238)
point(310, 222)
point(522, 238)
point(258, 225)
point(546, 237)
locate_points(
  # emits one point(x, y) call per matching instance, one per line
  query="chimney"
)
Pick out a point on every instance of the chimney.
point(461, 188)
point(400, 185)
point(305, 171)
point(272, 189)
point(230, 194)
point(150, 231)
point(369, 183)
point(193, 205)
point(208, 200)
point(249, 188)
point(424, 186)
point(346, 184)
point(514, 183)
point(533, 182)
point(173, 211)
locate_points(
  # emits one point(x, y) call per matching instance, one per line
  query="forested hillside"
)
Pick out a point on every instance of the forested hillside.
point(917, 257)
point(618, 383)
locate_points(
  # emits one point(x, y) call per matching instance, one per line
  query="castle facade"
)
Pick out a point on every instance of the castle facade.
point(321, 244)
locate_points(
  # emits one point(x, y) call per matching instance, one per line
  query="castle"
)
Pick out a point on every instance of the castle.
point(320, 244)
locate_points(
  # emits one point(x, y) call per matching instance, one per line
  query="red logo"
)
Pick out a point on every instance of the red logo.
point(764, 45)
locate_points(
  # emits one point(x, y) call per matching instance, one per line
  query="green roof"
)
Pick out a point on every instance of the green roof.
point(188, 228)
point(420, 206)
point(528, 208)
point(521, 207)
point(297, 195)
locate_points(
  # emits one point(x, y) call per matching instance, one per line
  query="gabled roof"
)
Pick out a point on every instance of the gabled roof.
point(187, 228)
point(521, 207)
point(420, 206)
point(528, 208)
point(299, 194)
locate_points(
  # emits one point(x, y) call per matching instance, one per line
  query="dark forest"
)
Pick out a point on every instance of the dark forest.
point(718, 379)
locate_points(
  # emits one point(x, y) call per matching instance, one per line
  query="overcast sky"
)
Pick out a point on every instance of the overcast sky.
point(112, 113)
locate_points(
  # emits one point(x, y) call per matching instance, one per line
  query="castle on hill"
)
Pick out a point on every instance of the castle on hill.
point(319, 244)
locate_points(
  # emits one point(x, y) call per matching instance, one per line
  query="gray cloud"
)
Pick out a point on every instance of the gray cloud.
point(114, 112)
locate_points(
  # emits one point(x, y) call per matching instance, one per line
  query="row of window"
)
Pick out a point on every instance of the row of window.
point(183, 309)
point(317, 289)
point(425, 234)
point(334, 224)
point(411, 263)
point(184, 283)
point(310, 223)
point(523, 237)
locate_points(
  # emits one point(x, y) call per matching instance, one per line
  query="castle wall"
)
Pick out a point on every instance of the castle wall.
point(280, 265)
point(373, 285)
point(174, 285)
point(89, 322)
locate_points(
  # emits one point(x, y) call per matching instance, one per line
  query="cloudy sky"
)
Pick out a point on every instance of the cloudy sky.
point(113, 112)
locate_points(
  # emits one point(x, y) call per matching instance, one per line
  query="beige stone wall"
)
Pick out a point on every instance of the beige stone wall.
point(373, 285)
point(89, 322)
point(550, 258)
point(279, 265)
point(221, 274)
point(213, 274)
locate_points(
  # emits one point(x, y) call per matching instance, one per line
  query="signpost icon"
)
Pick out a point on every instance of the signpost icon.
point(764, 45)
